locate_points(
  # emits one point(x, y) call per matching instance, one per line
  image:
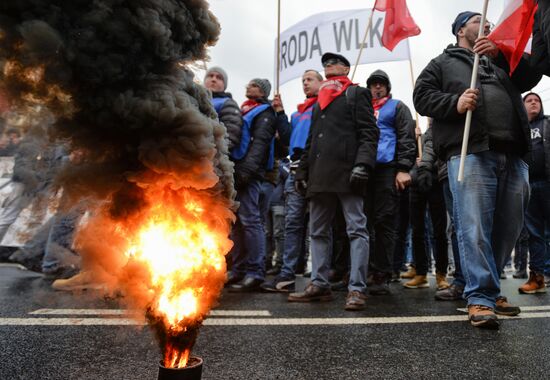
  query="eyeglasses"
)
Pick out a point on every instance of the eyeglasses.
point(332, 62)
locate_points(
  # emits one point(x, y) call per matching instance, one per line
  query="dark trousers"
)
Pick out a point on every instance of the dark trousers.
point(403, 222)
point(438, 213)
point(381, 207)
point(521, 251)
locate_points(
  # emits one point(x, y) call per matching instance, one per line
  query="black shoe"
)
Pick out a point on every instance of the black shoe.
point(232, 278)
point(520, 274)
point(249, 284)
point(60, 273)
point(380, 285)
point(279, 284)
point(273, 271)
point(307, 274)
point(503, 276)
point(396, 277)
point(452, 293)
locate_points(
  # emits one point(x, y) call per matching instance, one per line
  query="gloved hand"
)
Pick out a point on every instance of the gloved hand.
point(300, 185)
point(358, 179)
point(422, 179)
point(241, 180)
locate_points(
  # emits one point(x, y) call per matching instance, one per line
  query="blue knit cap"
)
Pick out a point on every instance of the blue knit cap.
point(462, 19)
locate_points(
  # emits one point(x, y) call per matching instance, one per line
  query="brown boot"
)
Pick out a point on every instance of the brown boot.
point(419, 281)
point(482, 316)
point(355, 301)
point(441, 281)
point(310, 294)
point(410, 273)
point(535, 284)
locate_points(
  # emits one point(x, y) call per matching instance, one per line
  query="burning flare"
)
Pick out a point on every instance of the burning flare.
point(180, 244)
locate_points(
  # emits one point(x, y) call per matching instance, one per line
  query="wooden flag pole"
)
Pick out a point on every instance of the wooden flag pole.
point(419, 139)
point(278, 45)
point(473, 84)
point(369, 25)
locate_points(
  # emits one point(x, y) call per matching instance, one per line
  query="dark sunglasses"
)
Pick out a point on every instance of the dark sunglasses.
point(332, 62)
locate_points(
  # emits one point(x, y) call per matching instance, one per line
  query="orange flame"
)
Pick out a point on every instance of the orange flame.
point(182, 247)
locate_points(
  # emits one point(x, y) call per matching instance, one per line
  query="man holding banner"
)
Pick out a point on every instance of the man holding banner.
point(334, 167)
point(489, 203)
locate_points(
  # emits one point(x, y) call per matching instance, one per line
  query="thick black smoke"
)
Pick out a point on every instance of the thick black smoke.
point(113, 72)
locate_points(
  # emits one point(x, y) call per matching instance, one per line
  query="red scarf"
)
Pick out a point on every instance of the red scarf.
point(248, 106)
point(331, 89)
point(308, 103)
point(379, 103)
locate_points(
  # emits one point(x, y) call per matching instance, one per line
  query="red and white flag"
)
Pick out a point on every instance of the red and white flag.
point(513, 31)
point(398, 24)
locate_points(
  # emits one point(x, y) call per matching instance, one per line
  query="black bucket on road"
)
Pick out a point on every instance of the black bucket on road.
point(193, 371)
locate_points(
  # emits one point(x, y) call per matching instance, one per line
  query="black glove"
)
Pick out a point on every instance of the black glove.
point(422, 179)
point(358, 179)
point(300, 185)
point(241, 180)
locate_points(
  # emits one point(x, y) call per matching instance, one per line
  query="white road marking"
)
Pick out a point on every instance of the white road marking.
point(257, 321)
point(213, 313)
point(523, 308)
point(14, 265)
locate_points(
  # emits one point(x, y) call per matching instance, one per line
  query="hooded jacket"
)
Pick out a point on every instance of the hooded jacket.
point(540, 129)
point(230, 116)
point(443, 81)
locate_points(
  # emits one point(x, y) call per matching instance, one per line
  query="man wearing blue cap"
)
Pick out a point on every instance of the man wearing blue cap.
point(489, 203)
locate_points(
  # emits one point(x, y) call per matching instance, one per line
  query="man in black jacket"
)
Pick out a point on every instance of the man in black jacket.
point(227, 109)
point(489, 203)
point(395, 157)
point(339, 153)
point(252, 157)
point(537, 217)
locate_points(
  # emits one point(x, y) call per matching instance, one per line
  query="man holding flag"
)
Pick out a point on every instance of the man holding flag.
point(489, 203)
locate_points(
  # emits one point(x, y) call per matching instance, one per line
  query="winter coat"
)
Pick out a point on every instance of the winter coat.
point(444, 80)
point(530, 157)
point(253, 165)
point(429, 158)
point(230, 116)
point(336, 143)
point(540, 47)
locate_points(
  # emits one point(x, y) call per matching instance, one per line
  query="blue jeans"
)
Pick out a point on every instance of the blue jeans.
point(458, 277)
point(248, 252)
point(488, 209)
point(58, 251)
point(295, 208)
point(537, 221)
point(322, 210)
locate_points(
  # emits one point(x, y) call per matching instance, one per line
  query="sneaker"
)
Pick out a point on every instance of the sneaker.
point(310, 294)
point(355, 301)
point(419, 281)
point(279, 284)
point(535, 284)
point(483, 317)
point(410, 273)
point(441, 281)
point(82, 281)
point(520, 274)
point(502, 307)
point(503, 276)
point(452, 293)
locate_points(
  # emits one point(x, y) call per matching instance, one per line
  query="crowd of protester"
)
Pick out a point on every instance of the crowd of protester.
point(348, 183)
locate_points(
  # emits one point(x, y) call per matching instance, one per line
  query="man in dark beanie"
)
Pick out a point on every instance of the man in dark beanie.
point(253, 156)
point(537, 217)
point(394, 158)
point(227, 109)
point(334, 168)
point(489, 202)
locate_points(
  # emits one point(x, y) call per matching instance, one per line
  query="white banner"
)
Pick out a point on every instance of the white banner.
point(342, 32)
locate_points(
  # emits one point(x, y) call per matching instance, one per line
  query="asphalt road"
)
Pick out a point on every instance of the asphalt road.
point(261, 336)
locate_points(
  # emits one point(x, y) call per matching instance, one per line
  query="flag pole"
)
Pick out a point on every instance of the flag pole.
point(278, 45)
point(419, 139)
point(369, 25)
point(473, 84)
